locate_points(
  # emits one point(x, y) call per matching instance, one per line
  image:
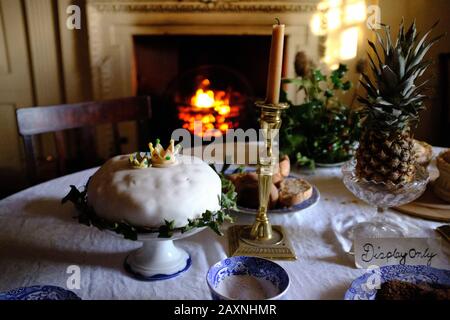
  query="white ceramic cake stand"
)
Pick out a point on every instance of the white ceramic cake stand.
point(159, 258)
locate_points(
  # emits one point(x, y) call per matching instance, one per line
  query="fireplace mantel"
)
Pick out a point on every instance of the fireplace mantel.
point(205, 6)
point(112, 26)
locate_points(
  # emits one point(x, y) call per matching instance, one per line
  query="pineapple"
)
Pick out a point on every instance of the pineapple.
point(391, 107)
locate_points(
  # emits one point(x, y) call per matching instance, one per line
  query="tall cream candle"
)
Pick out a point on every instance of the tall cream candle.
point(275, 64)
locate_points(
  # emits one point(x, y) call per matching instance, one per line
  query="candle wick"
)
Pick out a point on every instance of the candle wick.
point(278, 21)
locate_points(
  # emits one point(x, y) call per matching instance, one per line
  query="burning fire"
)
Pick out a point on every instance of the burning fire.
point(211, 108)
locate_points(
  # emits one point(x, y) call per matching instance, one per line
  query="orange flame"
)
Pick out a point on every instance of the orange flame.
point(211, 108)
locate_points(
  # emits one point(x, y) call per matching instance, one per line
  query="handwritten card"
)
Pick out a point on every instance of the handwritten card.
point(405, 251)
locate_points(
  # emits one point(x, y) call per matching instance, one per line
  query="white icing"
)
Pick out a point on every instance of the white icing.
point(147, 197)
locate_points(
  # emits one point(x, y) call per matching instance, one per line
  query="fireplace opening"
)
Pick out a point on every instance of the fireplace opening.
point(210, 100)
point(210, 108)
point(211, 79)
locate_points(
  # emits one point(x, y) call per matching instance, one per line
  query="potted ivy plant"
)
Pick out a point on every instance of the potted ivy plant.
point(322, 130)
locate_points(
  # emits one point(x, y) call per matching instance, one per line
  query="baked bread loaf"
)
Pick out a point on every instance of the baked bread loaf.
point(294, 191)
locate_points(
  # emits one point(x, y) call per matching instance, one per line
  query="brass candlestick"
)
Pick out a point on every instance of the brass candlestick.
point(261, 239)
point(270, 123)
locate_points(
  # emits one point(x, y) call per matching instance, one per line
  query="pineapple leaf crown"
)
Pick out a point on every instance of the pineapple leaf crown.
point(394, 98)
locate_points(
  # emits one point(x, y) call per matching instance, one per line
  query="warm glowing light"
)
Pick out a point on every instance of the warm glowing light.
point(211, 109)
point(223, 110)
point(355, 12)
point(316, 25)
point(349, 43)
point(341, 21)
point(203, 99)
point(322, 6)
point(208, 119)
point(334, 3)
point(334, 18)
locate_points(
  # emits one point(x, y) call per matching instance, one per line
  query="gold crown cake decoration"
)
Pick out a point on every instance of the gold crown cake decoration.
point(140, 160)
point(157, 157)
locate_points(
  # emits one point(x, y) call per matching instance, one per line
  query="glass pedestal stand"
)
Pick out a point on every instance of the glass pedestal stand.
point(382, 196)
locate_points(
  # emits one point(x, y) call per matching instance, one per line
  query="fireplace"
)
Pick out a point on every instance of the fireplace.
point(211, 81)
point(147, 47)
point(214, 108)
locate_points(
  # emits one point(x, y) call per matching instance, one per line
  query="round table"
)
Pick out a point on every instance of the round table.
point(40, 242)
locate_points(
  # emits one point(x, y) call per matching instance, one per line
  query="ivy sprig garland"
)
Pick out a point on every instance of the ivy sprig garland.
point(86, 214)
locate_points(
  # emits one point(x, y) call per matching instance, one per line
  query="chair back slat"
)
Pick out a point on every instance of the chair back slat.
point(57, 118)
point(38, 120)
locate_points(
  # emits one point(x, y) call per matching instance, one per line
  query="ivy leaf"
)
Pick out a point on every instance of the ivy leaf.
point(87, 216)
point(346, 86)
point(225, 167)
point(220, 217)
point(170, 224)
point(214, 226)
point(166, 231)
point(305, 161)
point(84, 219)
point(239, 169)
point(337, 75)
point(72, 196)
point(341, 70)
point(284, 97)
point(319, 76)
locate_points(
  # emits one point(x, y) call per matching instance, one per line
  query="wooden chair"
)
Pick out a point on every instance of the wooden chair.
point(39, 120)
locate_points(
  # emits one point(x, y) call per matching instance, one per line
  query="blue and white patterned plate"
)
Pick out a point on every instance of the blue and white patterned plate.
point(39, 293)
point(265, 279)
point(364, 287)
point(313, 200)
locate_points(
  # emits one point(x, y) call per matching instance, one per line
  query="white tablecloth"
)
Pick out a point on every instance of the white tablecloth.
point(39, 240)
